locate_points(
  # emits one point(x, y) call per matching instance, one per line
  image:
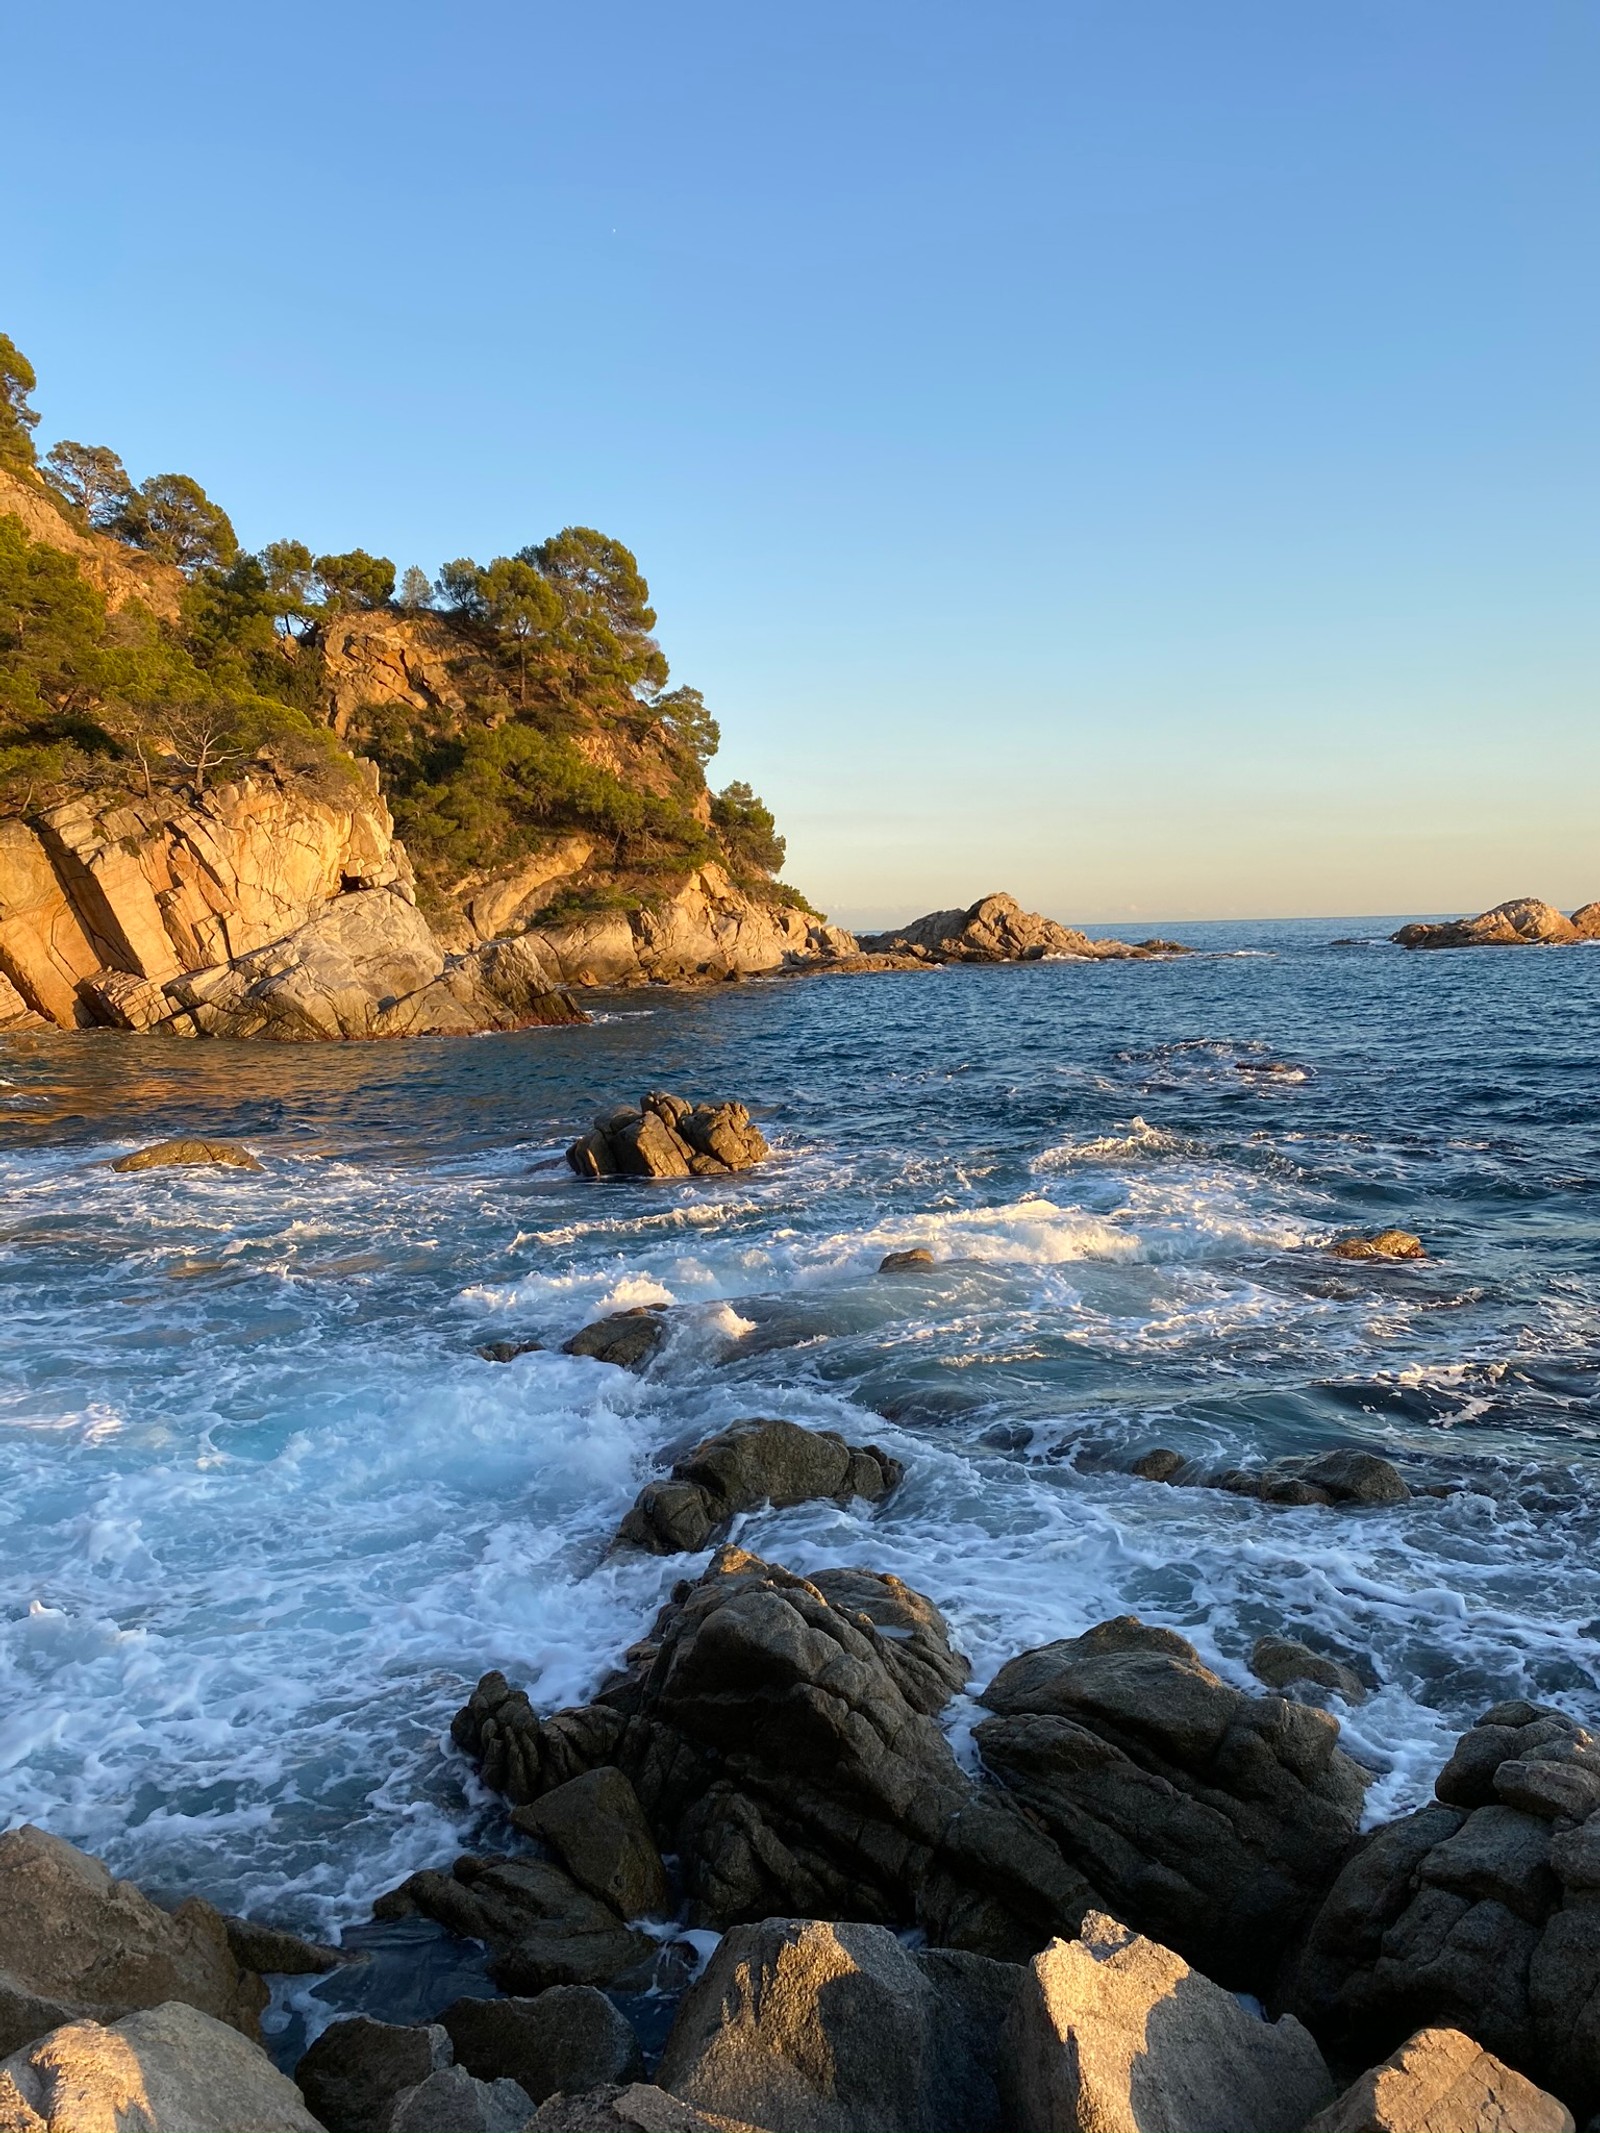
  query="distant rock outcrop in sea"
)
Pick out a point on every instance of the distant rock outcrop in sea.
point(996, 929)
point(1522, 922)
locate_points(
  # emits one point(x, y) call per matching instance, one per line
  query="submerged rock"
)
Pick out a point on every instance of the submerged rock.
point(996, 929)
point(1213, 1820)
point(1117, 2032)
point(626, 1338)
point(668, 1137)
point(751, 1464)
point(165, 1155)
point(508, 1351)
point(1347, 1476)
point(1480, 1912)
point(800, 2023)
point(1161, 1464)
point(779, 1732)
point(1281, 1662)
point(165, 2069)
point(1387, 1244)
point(86, 1944)
point(1439, 2081)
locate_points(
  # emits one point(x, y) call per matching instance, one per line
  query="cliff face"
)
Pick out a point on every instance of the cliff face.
point(281, 904)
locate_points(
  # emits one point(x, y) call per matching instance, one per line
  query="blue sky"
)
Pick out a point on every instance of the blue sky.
point(1143, 455)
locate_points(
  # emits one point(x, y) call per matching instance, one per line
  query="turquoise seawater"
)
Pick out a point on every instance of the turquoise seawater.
point(265, 1516)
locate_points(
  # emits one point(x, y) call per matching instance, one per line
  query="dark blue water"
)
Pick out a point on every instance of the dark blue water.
point(266, 1515)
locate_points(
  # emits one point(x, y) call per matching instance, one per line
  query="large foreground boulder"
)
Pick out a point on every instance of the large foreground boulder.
point(1112, 2033)
point(1439, 2081)
point(1213, 1820)
point(779, 1733)
point(1522, 922)
point(996, 929)
point(745, 1466)
point(1480, 1912)
point(166, 2069)
point(803, 2026)
point(668, 1137)
point(77, 1942)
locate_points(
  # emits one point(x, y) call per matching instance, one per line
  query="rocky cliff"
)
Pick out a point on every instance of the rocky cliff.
point(260, 907)
point(140, 890)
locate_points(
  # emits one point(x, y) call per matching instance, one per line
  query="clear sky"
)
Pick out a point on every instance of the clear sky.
point(1143, 454)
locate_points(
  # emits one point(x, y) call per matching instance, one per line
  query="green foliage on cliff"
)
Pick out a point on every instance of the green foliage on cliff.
point(91, 700)
point(17, 419)
point(557, 717)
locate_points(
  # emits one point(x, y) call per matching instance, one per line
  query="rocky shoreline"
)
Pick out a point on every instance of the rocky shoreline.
point(1138, 1844)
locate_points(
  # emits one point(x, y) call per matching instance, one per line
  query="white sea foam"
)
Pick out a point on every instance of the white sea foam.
point(268, 1516)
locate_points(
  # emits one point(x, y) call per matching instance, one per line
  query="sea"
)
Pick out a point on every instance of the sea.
point(266, 1515)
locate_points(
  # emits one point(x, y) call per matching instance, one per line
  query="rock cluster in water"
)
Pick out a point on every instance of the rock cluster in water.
point(1521, 922)
point(996, 929)
point(668, 1137)
point(1147, 1843)
point(741, 1468)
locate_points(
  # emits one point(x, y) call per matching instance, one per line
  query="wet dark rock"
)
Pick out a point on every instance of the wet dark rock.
point(905, 1262)
point(668, 1137)
point(1158, 1465)
point(597, 1829)
point(626, 1338)
point(779, 1732)
point(1357, 1477)
point(1211, 1820)
point(799, 2023)
point(508, 1351)
point(570, 2038)
point(751, 1464)
point(1346, 1477)
point(1481, 1912)
point(188, 1154)
point(269, 1949)
point(1387, 1244)
point(1281, 1662)
point(541, 1928)
point(353, 2074)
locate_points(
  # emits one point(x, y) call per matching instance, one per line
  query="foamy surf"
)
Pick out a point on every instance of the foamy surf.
point(267, 1515)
